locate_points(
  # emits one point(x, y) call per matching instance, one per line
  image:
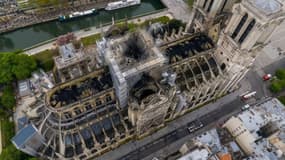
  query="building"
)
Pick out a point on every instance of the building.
point(24, 88)
point(259, 132)
point(254, 134)
point(207, 13)
point(242, 135)
point(6, 3)
point(206, 146)
point(72, 62)
point(133, 84)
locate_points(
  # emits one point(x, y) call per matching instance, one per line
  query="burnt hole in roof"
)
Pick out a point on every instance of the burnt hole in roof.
point(189, 48)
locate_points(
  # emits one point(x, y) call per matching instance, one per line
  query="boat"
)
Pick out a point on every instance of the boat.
point(121, 4)
point(73, 15)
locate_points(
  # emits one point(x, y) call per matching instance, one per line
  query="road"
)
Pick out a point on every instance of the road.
point(252, 82)
point(50, 44)
point(182, 131)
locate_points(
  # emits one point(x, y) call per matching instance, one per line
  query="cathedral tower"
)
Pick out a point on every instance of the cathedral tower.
point(205, 12)
point(247, 32)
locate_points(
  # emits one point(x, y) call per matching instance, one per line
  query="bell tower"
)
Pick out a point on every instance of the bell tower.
point(247, 32)
point(205, 12)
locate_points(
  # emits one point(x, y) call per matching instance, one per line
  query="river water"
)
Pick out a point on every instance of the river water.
point(32, 35)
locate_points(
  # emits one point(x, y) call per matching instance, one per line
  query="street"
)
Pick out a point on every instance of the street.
point(210, 114)
point(182, 131)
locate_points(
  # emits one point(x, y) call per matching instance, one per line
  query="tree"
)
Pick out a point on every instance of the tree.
point(15, 66)
point(280, 74)
point(23, 66)
point(8, 97)
point(276, 86)
point(6, 75)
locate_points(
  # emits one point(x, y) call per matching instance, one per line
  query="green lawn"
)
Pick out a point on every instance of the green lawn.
point(7, 131)
point(45, 59)
point(162, 19)
point(89, 40)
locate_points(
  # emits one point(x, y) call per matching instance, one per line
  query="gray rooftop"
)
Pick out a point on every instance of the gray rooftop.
point(67, 51)
point(23, 135)
point(24, 88)
point(267, 6)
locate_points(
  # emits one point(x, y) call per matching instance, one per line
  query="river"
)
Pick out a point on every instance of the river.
point(32, 35)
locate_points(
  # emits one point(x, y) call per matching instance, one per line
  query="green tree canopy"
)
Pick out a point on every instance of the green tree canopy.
point(8, 97)
point(280, 73)
point(15, 66)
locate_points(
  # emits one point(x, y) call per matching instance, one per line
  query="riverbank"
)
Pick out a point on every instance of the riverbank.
point(50, 44)
point(29, 18)
point(40, 33)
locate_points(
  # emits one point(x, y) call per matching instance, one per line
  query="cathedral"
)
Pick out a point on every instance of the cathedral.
point(133, 84)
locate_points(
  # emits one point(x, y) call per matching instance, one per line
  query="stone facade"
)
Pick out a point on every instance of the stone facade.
point(208, 12)
point(72, 62)
point(136, 83)
point(246, 34)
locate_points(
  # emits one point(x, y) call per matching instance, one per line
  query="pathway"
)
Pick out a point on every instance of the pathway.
point(92, 30)
point(179, 9)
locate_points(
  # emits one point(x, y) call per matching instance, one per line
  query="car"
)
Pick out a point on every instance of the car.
point(195, 126)
point(192, 128)
point(247, 95)
point(245, 107)
point(266, 77)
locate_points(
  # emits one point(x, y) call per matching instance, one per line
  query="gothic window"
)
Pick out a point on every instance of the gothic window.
point(98, 102)
point(67, 115)
point(205, 2)
point(224, 5)
point(108, 98)
point(247, 31)
point(239, 26)
point(77, 111)
point(210, 5)
point(223, 66)
point(88, 106)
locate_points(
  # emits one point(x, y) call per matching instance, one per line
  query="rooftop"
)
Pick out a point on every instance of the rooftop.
point(24, 135)
point(188, 48)
point(24, 88)
point(267, 6)
point(81, 89)
point(197, 154)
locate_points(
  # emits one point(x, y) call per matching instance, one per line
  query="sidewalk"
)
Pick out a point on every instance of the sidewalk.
point(179, 9)
point(174, 147)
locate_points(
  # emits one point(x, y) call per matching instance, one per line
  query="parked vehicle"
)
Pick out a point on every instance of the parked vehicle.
point(247, 95)
point(267, 77)
point(245, 107)
point(194, 126)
